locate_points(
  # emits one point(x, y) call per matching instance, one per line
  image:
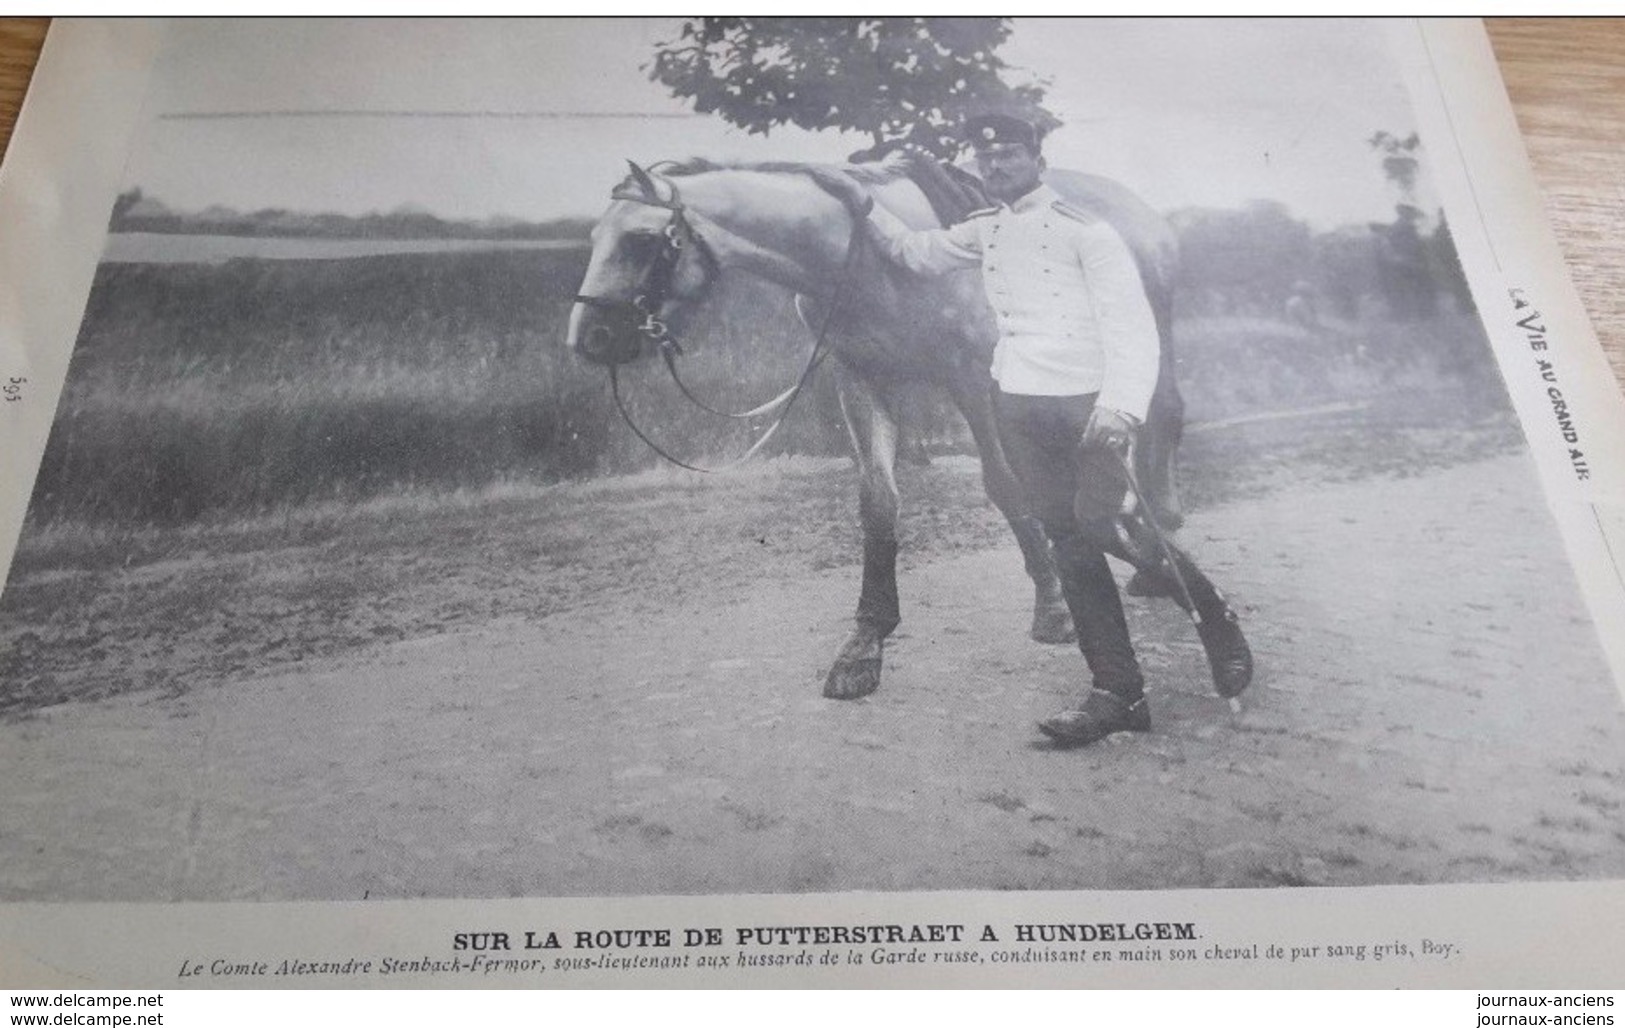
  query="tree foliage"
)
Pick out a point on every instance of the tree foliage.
point(1253, 256)
point(899, 80)
point(1400, 161)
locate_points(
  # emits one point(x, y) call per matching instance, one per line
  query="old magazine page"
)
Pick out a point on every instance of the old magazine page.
point(523, 504)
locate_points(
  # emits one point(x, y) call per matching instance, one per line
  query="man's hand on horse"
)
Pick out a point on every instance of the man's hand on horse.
point(845, 189)
point(1110, 430)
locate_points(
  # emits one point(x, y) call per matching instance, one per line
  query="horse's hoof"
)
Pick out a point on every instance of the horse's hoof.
point(1053, 625)
point(852, 679)
point(1228, 654)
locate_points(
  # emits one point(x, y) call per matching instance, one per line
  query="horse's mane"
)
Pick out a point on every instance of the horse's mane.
point(893, 168)
point(871, 173)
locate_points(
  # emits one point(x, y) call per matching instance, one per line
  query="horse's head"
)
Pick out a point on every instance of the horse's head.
point(648, 267)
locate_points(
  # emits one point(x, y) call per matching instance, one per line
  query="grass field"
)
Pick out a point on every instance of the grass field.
point(244, 386)
point(219, 389)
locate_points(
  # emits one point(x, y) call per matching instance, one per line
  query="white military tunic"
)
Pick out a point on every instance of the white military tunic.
point(1072, 312)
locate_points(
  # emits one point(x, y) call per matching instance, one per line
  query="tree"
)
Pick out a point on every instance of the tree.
point(1247, 259)
point(899, 80)
point(1400, 162)
point(121, 206)
point(1402, 256)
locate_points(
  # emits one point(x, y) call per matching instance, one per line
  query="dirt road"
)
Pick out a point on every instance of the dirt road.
point(1431, 706)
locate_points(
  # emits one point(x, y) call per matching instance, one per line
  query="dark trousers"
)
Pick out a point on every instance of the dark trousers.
point(1040, 435)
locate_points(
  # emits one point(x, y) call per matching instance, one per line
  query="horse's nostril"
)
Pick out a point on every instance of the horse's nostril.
point(609, 344)
point(599, 343)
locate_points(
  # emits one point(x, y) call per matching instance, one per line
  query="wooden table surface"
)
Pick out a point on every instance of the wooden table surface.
point(1566, 78)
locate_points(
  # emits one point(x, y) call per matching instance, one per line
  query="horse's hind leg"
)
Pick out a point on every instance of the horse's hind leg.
point(871, 420)
point(1229, 657)
point(1052, 623)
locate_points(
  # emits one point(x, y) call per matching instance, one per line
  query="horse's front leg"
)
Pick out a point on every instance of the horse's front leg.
point(872, 423)
point(1052, 622)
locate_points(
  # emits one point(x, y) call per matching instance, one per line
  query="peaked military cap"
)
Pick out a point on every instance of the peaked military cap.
point(986, 130)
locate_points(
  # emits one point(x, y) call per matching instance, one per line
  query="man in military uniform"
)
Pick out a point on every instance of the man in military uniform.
point(1075, 366)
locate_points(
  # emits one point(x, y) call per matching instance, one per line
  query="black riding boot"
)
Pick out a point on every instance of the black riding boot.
point(1117, 701)
point(1097, 613)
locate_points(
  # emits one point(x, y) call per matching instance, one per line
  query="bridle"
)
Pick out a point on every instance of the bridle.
point(654, 291)
point(653, 294)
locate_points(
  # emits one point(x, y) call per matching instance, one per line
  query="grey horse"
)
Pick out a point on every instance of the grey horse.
point(669, 232)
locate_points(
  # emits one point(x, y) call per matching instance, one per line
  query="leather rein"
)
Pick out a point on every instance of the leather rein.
point(678, 234)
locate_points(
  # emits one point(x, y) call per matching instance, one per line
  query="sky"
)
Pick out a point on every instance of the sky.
point(535, 119)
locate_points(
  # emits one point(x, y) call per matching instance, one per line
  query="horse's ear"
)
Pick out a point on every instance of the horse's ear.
point(643, 180)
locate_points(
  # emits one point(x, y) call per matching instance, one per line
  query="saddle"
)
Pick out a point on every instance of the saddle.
point(952, 192)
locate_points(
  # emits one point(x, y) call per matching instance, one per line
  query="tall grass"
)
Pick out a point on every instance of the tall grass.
point(245, 385)
point(1237, 365)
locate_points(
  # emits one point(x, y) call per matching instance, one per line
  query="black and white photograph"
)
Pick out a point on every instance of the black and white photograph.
point(757, 455)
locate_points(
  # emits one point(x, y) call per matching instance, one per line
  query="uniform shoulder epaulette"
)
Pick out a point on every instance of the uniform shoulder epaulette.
point(1075, 213)
point(984, 212)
